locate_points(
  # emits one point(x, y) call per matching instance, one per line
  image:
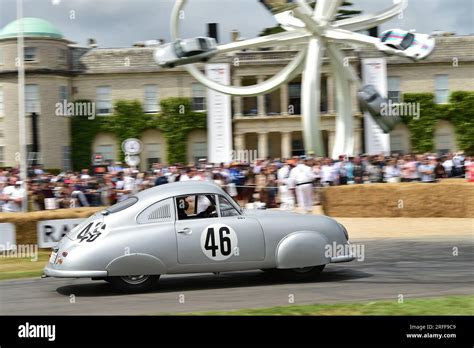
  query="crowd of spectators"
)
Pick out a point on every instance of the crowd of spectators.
point(270, 182)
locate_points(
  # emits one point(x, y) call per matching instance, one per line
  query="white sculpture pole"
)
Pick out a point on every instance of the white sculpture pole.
point(318, 30)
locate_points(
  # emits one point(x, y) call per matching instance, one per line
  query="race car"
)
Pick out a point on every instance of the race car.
point(194, 227)
point(199, 49)
point(372, 102)
point(415, 45)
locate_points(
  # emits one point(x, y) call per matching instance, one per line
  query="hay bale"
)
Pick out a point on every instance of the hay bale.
point(25, 223)
point(359, 201)
point(445, 199)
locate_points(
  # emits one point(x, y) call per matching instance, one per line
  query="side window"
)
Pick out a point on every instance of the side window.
point(161, 211)
point(196, 207)
point(226, 208)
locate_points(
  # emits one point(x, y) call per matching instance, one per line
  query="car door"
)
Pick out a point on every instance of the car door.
point(227, 237)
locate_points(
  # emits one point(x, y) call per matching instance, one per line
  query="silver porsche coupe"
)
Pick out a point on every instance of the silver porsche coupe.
point(193, 227)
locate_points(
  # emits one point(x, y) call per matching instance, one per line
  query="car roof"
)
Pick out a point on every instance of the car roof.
point(179, 188)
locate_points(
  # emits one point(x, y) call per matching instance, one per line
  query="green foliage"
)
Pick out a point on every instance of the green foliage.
point(175, 120)
point(460, 111)
point(271, 30)
point(53, 171)
point(83, 132)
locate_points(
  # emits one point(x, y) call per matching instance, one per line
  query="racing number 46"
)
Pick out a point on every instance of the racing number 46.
point(224, 241)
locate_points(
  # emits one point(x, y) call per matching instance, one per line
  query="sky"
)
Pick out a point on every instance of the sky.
point(120, 23)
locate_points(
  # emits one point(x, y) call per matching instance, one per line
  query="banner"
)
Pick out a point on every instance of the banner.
point(219, 120)
point(50, 232)
point(7, 236)
point(374, 72)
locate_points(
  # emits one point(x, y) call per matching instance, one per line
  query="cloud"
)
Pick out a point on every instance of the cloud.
point(119, 23)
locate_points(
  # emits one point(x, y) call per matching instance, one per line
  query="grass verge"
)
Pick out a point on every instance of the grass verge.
point(448, 305)
point(14, 267)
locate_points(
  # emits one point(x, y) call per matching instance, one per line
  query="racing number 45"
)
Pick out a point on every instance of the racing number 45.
point(88, 235)
point(224, 241)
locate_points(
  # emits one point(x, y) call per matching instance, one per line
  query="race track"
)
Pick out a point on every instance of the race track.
point(413, 268)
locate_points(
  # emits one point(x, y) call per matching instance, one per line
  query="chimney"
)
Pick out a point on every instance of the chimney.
point(212, 31)
point(92, 43)
point(234, 35)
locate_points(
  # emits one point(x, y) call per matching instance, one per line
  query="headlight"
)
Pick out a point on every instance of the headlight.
point(345, 231)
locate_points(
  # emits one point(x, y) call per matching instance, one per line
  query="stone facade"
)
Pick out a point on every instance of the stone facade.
point(269, 124)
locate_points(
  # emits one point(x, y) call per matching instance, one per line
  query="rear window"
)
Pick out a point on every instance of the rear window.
point(122, 205)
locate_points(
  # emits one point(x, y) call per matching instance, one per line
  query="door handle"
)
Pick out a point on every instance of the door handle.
point(185, 230)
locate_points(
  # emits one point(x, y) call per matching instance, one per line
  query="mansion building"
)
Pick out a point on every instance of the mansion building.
point(58, 70)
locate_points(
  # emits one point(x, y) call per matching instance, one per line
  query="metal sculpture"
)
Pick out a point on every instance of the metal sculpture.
point(319, 31)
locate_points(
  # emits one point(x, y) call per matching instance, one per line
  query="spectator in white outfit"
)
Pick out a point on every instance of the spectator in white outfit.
point(13, 196)
point(284, 183)
point(302, 177)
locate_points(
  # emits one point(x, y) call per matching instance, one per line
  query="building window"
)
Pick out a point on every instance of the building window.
point(294, 91)
point(396, 144)
point(104, 100)
point(67, 165)
point(151, 103)
point(199, 97)
point(2, 155)
point(63, 94)
point(2, 102)
point(107, 152)
point(441, 89)
point(153, 154)
point(30, 54)
point(62, 55)
point(394, 93)
point(32, 157)
point(199, 150)
point(324, 94)
point(32, 102)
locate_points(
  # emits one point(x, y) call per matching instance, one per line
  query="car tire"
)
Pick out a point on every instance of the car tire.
point(305, 273)
point(133, 284)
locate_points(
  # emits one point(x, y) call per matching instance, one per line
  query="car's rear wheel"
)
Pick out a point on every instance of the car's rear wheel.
point(305, 273)
point(135, 283)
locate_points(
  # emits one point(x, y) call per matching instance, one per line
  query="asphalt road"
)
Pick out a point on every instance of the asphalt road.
point(412, 268)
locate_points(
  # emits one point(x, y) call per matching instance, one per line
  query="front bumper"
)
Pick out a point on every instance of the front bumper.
point(342, 258)
point(51, 272)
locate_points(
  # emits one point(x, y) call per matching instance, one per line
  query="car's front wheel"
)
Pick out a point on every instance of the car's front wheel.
point(305, 273)
point(135, 283)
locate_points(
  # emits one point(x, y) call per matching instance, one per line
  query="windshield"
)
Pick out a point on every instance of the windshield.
point(407, 41)
point(122, 205)
point(203, 43)
point(178, 49)
point(385, 36)
point(237, 203)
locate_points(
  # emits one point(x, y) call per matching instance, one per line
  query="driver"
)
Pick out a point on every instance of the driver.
point(183, 206)
point(208, 212)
